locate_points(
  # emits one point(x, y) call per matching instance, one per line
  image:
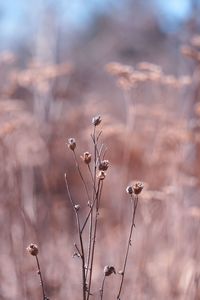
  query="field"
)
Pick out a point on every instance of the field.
point(77, 136)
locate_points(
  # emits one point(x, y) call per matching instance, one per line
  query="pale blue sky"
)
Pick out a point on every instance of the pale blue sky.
point(20, 16)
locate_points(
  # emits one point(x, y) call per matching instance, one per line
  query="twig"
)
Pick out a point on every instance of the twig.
point(82, 253)
point(134, 202)
point(41, 279)
point(80, 174)
point(99, 189)
point(102, 287)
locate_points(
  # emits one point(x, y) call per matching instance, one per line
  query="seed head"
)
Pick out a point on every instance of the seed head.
point(32, 249)
point(138, 187)
point(71, 144)
point(101, 175)
point(108, 270)
point(96, 120)
point(77, 207)
point(103, 165)
point(129, 190)
point(86, 157)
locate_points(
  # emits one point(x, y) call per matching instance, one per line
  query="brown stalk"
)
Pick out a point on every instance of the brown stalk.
point(134, 202)
point(98, 195)
point(82, 253)
point(80, 174)
point(41, 279)
point(102, 287)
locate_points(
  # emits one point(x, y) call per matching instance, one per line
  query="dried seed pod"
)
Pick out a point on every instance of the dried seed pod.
point(108, 270)
point(101, 175)
point(96, 120)
point(103, 165)
point(71, 144)
point(77, 207)
point(129, 190)
point(32, 249)
point(138, 187)
point(86, 157)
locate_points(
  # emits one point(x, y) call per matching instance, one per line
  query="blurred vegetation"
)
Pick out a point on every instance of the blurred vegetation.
point(53, 80)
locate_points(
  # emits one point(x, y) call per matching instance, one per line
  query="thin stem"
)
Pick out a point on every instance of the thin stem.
point(102, 287)
point(82, 253)
point(90, 226)
point(134, 202)
point(99, 189)
point(41, 279)
point(81, 175)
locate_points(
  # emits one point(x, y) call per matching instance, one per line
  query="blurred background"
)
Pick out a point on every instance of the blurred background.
point(57, 71)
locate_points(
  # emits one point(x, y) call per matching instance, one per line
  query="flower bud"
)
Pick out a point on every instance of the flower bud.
point(86, 157)
point(71, 144)
point(96, 120)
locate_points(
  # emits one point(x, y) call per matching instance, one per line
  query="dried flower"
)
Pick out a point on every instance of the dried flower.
point(86, 157)
point(108, 270)
point(96, 120)
point(103, 165)
point(129, 190)
point(71, 144)
point(101, 175)
point(138, 187)
point(32, 249)
point(120, 70)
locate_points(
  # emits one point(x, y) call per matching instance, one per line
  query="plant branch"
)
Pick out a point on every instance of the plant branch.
point(134, 202)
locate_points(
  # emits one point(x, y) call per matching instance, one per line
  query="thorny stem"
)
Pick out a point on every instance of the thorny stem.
point(82, 253)
point(41, 279)
point(102, 287)
point(134, 201)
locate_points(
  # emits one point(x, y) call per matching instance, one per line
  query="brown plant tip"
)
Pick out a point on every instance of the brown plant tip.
point(108, 270)
point(103, 165)
point(86, 158)
point(96, 120)
point(101, 175)
point(129, 190)
point(138, 187)
point(71, 144)
point(32, 249)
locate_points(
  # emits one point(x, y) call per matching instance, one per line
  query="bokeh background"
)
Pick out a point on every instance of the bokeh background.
point(54, 77)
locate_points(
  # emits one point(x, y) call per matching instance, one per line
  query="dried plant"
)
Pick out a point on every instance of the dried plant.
point(33, 250)
point(86, 248)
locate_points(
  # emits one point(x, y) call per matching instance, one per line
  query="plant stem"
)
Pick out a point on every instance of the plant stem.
point(98, 194)
point(82, 253)
point(102, 287)
point(134, 201)
point(41, 279)
point(80, 174)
